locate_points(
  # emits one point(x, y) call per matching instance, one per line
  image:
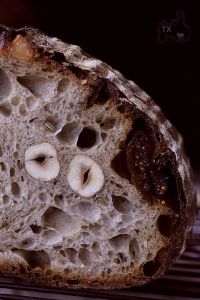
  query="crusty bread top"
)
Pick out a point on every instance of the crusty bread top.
point(143, 158)
point(54, 50)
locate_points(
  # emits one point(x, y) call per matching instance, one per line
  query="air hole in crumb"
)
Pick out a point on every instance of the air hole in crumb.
point(165, 225)
point(47, 107)
point(36, 229)
point(72, 282)
point(58, 57)
point(89, 211)
point(110, 253)
point(5, 85)
point(19, 164)
point(103, 136)
point(132, 264)
point(72, 254)
point(87, 138)
point(12, 172)
point(31, 102)
point(150, 268)
point(42, 196)
point(81, 74)
point(108, 124)
point(1, 152)
point(117, 260)
point(6, 199)
point(104, 94)
point(61, 221)
point(120, 242)
point(69, 116)
point(119, 165)
point(118, 186)
point(62, 252)
point(122, 257)
point(15, 101)
point(56, 277)
point(22, 110)
point(40, 87)
point(63, 85)
point(5, 110)
point(57, 248)
point(134, 249)
point(34, 258)
point(3, 166)
point(50, 237)
point(95, 246)
point(27, 243)
point(85, 234)
point(15, 189)
point(69, 133)
point(158, 137)
point(122, 204)
point(95, 228)
point(59, 201)
point(99, 118)
point(85, 256)
point(16, 154)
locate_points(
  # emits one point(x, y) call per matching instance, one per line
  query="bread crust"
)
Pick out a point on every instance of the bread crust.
point(54, 55)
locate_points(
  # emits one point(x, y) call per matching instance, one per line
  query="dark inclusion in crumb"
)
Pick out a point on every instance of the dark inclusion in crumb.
point(149, 164)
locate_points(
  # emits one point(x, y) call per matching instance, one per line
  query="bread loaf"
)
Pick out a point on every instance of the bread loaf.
point(95, 187)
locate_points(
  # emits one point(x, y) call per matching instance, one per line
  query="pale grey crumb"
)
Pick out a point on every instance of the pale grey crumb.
point(94, 222)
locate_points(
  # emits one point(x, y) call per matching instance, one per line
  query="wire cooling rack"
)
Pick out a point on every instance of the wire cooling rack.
point(182, 282)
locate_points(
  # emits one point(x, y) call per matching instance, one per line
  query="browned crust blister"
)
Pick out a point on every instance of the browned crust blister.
point(153, 150)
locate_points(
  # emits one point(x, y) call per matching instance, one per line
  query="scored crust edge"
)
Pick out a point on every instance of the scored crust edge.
point(33, 41)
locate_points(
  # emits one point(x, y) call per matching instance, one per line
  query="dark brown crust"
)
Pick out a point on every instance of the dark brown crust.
point(53, 278)
point(182, 211)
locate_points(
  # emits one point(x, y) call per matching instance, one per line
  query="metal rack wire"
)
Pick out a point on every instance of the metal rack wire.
point(182, 282)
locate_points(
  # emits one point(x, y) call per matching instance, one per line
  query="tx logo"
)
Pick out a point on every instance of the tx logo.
point(175, 29)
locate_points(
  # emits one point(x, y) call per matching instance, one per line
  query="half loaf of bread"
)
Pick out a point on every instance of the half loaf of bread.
point(95, 188)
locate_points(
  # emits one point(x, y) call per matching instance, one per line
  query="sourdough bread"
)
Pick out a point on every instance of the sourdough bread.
point(95, 187)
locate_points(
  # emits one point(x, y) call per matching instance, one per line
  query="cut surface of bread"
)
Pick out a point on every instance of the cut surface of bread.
point(95, 188)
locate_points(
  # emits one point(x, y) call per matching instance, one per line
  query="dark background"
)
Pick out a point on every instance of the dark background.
point(124, 34)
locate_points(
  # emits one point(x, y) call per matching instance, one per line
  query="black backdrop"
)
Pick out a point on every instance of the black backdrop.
point(124, 34)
